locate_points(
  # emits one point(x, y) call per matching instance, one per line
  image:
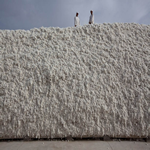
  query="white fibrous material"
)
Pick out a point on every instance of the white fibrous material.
point(87, 81)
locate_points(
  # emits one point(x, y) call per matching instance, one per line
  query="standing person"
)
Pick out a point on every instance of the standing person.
point(91, 20)
point(76, 20)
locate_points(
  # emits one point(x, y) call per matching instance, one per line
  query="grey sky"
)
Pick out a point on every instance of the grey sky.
point(27, 14)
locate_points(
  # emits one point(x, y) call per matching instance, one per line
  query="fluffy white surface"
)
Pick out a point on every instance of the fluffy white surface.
point(85, 82)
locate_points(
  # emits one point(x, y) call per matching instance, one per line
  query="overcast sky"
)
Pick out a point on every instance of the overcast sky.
point(27, 14)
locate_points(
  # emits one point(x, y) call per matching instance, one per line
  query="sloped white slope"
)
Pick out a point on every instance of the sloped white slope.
point(84, 82)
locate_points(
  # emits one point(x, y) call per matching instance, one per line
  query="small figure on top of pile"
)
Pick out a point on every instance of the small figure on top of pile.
point(76, 20)
point(91, 19)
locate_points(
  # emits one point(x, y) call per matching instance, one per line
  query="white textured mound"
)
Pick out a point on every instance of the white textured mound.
point(88, 81)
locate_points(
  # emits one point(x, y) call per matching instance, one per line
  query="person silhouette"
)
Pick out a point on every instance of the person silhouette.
point(91, 19)
point(76, 20)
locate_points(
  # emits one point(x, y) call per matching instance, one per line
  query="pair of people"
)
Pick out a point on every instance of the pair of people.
point(77, 20)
